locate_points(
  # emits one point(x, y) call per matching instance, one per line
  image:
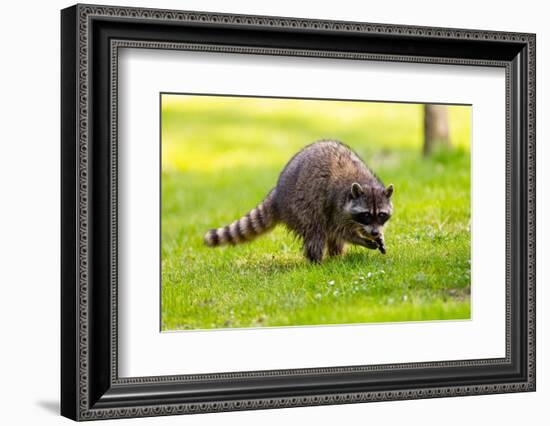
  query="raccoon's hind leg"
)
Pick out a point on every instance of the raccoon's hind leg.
point(335, 247)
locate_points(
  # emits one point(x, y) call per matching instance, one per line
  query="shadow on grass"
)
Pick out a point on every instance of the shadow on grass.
point(271, 264)
point(356, 257)
point(275, 263)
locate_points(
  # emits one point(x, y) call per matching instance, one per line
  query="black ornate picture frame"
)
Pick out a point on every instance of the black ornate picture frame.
point(90, 38)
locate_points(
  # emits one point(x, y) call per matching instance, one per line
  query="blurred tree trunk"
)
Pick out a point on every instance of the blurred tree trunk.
point(436, 127)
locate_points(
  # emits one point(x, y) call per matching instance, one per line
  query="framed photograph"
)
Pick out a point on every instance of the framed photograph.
point(263, 212)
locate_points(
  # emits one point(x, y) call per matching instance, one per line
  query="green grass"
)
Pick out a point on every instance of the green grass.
point(221, 158)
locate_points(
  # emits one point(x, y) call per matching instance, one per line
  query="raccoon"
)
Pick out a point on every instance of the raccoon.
point(327, 196)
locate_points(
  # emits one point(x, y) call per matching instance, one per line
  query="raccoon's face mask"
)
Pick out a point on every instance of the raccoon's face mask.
point(370, 209)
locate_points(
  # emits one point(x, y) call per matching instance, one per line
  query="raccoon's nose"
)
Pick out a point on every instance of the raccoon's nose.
point(375, 232)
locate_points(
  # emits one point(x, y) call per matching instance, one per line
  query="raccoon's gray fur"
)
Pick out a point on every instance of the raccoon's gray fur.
point(327, 196)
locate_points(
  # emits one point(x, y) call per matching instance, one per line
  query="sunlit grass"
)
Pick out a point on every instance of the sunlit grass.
point(221, 158)
point(233, 137)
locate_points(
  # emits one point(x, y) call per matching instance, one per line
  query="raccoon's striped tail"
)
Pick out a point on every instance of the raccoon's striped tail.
point(258, 221)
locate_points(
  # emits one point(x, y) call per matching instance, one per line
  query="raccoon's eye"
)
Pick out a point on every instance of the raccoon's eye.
point(364, 218)
point(383, 216)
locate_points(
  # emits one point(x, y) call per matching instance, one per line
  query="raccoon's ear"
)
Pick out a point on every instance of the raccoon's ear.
point(389, 190)
point(356, 190)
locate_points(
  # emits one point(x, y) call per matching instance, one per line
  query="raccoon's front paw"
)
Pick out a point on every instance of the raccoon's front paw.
point(363, 242)
point(373, 245)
